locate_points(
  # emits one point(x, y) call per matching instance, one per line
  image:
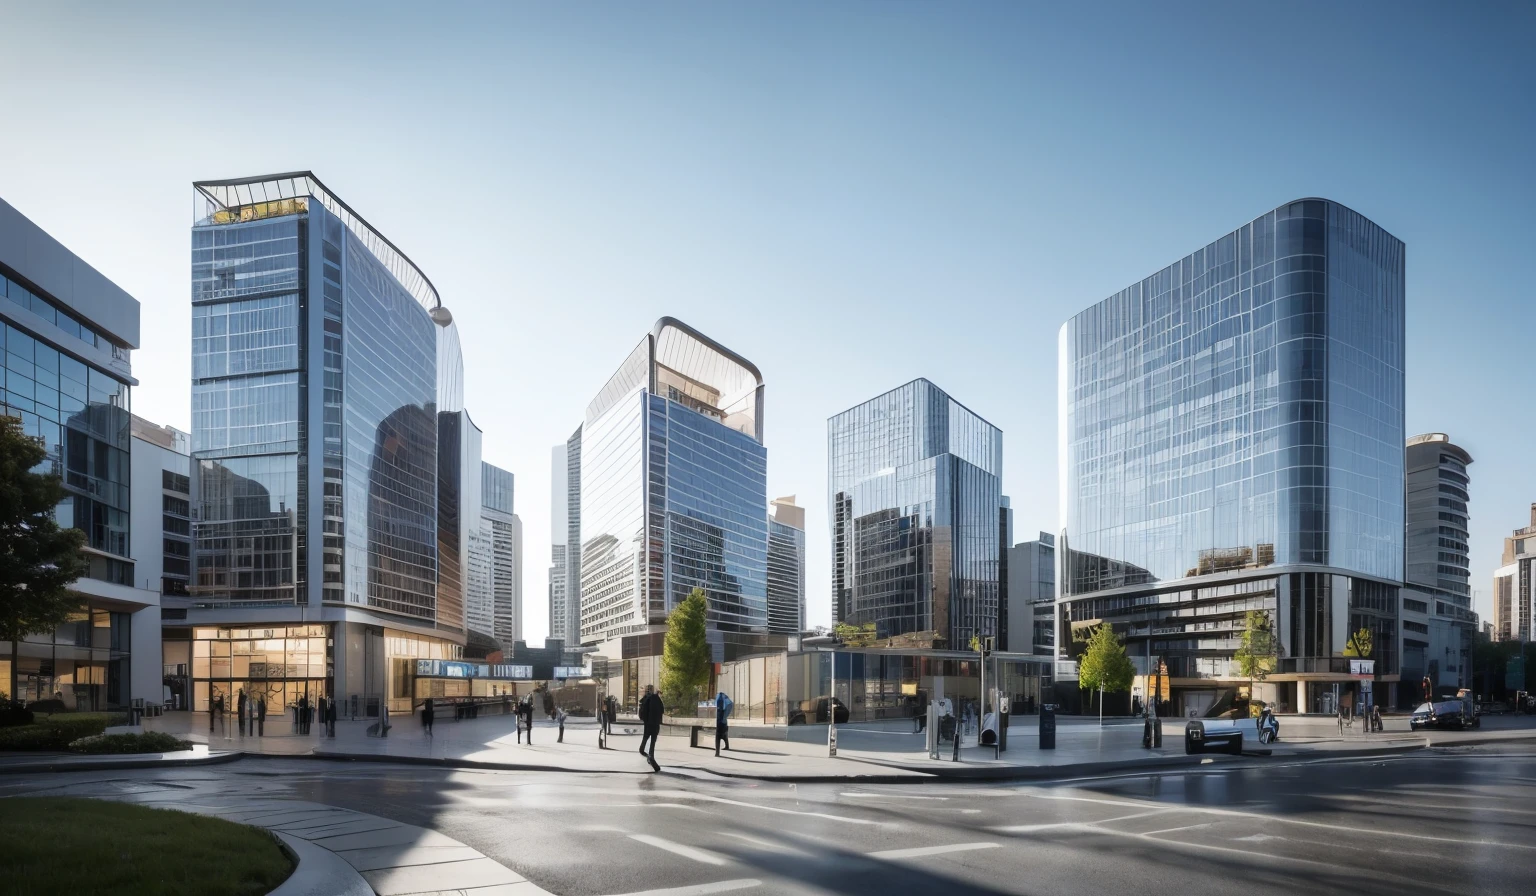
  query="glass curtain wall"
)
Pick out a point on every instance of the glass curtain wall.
point(915, 489)
point(247, 406)
point(1240, 408)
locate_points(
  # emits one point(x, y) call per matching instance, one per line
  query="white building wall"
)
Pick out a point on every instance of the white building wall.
point(147, 536)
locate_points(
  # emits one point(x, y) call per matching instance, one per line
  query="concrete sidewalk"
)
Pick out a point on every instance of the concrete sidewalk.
point(869, 752)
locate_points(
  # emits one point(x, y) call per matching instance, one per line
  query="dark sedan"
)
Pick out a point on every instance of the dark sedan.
point(1444, 714)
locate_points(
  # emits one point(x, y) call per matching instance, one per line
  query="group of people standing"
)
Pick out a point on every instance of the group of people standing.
point(251, 714)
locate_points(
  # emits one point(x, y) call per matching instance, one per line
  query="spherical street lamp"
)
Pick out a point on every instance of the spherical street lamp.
point(441, 316)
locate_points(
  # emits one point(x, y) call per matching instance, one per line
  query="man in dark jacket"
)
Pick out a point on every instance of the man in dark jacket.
point(651, 711)
point(240, 711)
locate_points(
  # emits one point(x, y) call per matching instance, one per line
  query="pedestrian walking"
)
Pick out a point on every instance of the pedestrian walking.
point(427, 714)
point(560, 720)
point(723, 708)
point(612, 707)
point(330, 717)
point(250, 714)
point(240, 711)
point(261, 716)
point(218, 709)
point(651, 712)
point(527, 717)
point(303, 714)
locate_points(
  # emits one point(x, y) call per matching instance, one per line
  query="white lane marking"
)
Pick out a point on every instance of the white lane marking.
point(687, 852)
point(1398, 804)
point(1259, 816)
point(764, 844)
point(724, 886)
point(1027, 828)
point(722, 800)
point(895, 796)
point(918, 851)
point(1187, 827)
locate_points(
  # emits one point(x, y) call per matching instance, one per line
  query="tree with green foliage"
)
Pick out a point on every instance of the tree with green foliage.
point(1259, 648)
point(855, 635)
point(1105, 667)
point(685, 658)
point(38, 560)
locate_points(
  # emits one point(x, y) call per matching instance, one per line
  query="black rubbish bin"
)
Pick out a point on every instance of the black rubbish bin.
point(1048, 726)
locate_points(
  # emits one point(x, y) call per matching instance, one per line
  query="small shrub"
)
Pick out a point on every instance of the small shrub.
point(148, 742)
point(13, 713)
point(31, 737)
point(48, 706)
point(75, 726)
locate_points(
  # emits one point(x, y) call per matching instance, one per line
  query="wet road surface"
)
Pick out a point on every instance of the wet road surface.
point(1447, 821)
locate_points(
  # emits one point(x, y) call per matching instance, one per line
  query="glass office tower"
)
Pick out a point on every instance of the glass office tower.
point(66, 337)
point(786, 567)
point(672, 495)
point(316, 392)
point(1231, 439)
point(915, 492)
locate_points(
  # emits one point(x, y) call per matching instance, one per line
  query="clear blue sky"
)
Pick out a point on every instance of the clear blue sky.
point(849, 194)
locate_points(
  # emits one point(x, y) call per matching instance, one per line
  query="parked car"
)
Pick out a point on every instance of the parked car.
point(816, 711)
point(1444, 714)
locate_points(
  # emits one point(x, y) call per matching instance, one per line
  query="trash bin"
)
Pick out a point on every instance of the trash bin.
point(1048, 726)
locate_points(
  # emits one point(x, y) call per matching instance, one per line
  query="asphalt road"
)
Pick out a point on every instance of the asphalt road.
point(1453, 821)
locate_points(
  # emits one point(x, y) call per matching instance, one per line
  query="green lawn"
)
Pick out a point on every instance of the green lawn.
point(71, 846)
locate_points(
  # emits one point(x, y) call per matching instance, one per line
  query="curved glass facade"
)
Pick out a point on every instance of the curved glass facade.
point(673, 491)
point(1239, 409)
point(916, 483)
point(286, 302)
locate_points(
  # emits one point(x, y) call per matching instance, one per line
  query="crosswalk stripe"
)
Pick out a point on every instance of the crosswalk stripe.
point(724, 886)
point(688, 852)
point(917, 851)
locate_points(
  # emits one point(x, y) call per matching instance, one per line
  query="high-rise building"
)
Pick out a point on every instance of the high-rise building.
point(786, 567)
point(1438, 624)
point(1231, 439)
point(673, 491)
point(318, 375)
point(509, 613)
point(915, 489)
point(564, 529)
point(1032, 596)
point(571, 627)
point(1512, 604)
point(162, 553)
point(67, 333)
point(480, 580)
point(505, 539)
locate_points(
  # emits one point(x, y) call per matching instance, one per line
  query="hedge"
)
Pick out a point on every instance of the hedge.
point(56, 733)
point(148, 742)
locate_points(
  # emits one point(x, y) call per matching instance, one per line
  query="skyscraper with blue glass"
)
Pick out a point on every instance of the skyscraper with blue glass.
point(1231, 440)
point(673, 491)
point(325, 374)
point(915, 492)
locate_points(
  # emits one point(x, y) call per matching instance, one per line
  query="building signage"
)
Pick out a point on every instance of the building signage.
point(564, 672)
point(456, 669)
point(1362, 667)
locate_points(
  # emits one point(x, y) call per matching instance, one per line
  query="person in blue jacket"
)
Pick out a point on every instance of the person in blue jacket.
point(723, 707)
